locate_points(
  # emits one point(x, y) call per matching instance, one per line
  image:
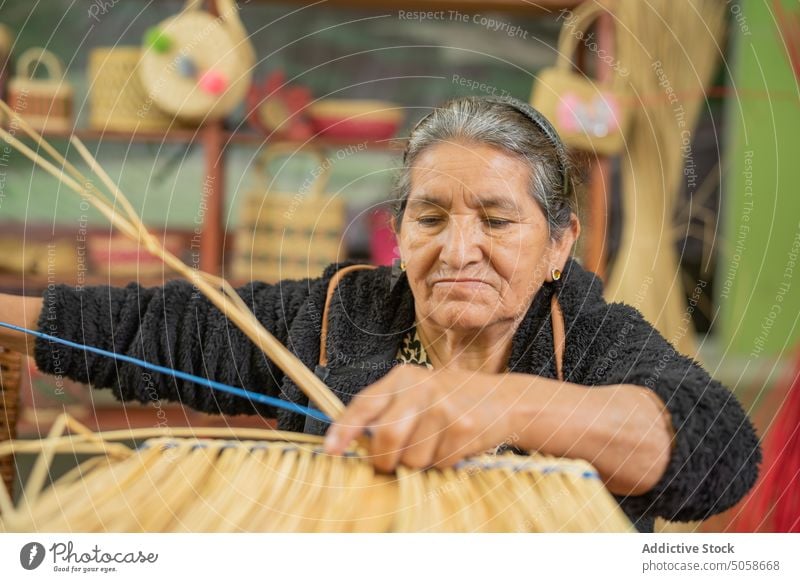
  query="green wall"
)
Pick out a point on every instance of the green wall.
point(759, 271)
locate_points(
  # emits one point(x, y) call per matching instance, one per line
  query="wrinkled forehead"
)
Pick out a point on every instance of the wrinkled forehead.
point(478, 177)
point(477, 200)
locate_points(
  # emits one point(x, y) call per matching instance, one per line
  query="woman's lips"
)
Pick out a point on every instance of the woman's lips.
point(460, 283)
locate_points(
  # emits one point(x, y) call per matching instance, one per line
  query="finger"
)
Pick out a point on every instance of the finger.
point(391, 433)
point(362, 410)
point(459, 440)
point(423, 444)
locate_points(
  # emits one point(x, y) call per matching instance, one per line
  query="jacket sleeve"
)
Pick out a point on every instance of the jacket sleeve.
point(173, 326)
point(715, 453)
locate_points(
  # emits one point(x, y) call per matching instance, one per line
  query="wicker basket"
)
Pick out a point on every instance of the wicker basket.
point(10, 375)
point(203, 66)
point(117, 98)
point(288, 235)
point(45, 103)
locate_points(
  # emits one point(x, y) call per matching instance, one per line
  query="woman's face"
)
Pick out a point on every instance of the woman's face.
point(475, 243)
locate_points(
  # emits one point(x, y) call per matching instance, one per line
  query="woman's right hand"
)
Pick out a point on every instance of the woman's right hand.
point(23, 312)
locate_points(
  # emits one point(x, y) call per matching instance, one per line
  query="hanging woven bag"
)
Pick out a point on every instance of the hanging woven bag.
point(197, 66)
point(588, 114)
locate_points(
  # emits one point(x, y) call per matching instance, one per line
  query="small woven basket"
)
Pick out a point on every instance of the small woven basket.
point(117, 98)
point(288, 235)
point(10, 375)
point(46, 102)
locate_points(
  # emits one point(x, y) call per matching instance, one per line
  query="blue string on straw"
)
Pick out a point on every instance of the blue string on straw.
point(241, 392)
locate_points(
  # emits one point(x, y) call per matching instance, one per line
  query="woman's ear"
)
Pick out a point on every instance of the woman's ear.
point(562, 248)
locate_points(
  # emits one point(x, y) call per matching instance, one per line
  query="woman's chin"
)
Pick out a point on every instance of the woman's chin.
point(462, 307)
point(464, 315)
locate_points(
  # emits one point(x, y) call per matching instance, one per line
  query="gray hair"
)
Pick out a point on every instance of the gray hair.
point(511, 126)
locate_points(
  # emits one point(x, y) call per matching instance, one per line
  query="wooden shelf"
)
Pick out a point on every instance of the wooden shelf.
point(325, 143)
point(179, 135)
point(184, 135)
point(529, 7)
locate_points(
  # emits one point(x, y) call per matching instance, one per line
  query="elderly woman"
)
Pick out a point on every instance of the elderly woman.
point(512, 340)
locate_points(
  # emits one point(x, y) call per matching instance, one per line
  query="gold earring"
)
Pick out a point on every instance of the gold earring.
point(402, 265)
point(556, 274)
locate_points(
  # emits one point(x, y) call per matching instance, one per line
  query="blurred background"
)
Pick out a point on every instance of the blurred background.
point(260, 139)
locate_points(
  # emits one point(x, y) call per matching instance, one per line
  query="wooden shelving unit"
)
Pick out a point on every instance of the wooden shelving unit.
point(215, 139)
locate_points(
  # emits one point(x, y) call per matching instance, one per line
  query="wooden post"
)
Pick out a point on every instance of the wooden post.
point(213, 198)
point(595, 251)
point(213, 189)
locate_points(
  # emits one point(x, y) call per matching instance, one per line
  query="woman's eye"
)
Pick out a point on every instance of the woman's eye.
point(429, 220)
point(492, 222)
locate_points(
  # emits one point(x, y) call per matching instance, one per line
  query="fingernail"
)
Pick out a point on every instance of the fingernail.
point(331, 443)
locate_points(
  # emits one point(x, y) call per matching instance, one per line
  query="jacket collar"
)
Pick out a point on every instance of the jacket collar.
point(369, 337)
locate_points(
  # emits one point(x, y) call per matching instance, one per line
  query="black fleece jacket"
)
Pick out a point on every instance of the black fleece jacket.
point(715, 455)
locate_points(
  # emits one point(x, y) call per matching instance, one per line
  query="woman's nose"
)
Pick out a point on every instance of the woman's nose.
point(461, 243)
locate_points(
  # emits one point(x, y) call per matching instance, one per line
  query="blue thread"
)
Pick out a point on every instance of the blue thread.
point(241, 392)
point(470, 465)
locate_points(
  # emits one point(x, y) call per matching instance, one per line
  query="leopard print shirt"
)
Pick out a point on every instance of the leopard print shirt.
point(412, 351)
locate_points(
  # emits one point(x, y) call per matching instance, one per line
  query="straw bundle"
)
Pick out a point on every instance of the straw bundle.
point(262, 483)
point(670, 48)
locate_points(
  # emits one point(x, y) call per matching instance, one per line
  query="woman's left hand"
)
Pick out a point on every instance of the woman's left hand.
point(427, 418)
